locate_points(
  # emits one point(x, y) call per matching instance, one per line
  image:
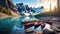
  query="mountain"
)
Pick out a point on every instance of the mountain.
point(25, 8)
point(38, 10)
point(6, 6)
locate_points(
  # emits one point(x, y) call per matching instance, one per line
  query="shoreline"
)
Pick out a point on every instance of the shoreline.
point(3, 16)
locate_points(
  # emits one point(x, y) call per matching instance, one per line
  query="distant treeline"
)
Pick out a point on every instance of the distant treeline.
point(54, 13)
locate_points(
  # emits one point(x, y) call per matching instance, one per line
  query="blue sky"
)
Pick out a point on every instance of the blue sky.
point(29, 2)
point(26, 2)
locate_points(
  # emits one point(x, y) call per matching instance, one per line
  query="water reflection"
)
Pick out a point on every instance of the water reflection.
point(12, 24)
point(7, 24)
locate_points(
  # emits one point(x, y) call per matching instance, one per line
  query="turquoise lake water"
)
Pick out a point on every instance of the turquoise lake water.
point(8, 24)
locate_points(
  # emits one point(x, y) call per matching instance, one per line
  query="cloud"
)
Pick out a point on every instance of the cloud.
point(45, 3)
point(38, 3)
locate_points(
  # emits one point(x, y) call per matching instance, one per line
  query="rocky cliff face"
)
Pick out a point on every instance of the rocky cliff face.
point(6, 6)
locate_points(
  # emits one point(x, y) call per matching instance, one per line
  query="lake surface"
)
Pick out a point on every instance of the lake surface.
point(7, 24)
point(13, 25)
